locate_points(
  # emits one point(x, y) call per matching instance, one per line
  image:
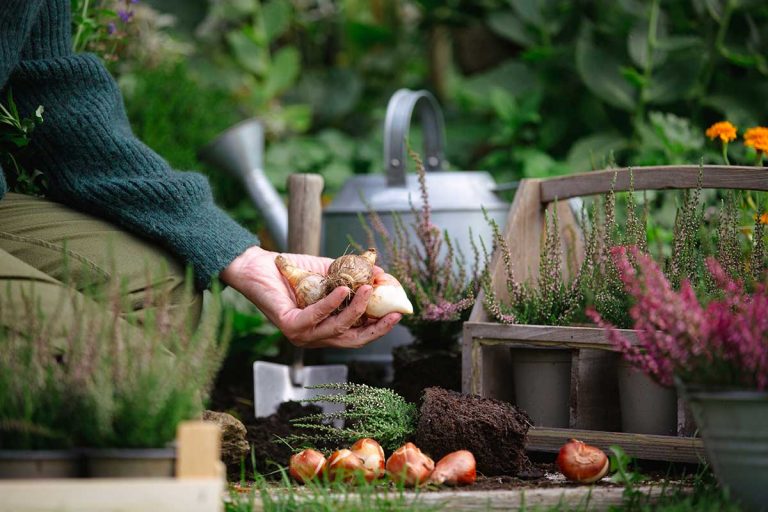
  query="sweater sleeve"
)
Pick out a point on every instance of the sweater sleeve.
point(94, 163)
point(16, 20)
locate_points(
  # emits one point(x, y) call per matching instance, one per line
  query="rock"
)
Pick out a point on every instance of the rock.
point(494, 431)
point(234, 445)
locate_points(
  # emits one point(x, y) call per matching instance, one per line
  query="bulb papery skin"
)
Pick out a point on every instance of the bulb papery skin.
point(388, 298)
point(372, 455)
point(582, 463)
point(344, 465)
point(308, 287)
point(306, 465)
point(456, 468)
point(409, 466)
point(351, 270)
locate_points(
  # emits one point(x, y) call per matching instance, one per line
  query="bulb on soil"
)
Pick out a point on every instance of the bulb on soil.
point(306, 465)
point(582, 463)
point(456, 468)
point(409, 466)
point(372, 455)
point(345, 466)
point(388, 297)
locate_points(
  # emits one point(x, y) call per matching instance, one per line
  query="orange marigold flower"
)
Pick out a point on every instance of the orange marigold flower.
point(724, 130)
point(764, 218)
point(757, 138)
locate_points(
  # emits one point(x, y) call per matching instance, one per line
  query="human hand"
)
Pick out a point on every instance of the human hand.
point(255, 275)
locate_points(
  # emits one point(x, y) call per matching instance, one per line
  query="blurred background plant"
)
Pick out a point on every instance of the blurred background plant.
point(529, 88)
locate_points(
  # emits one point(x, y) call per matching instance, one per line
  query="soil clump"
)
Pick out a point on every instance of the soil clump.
point(416, 369)
point(494, 431)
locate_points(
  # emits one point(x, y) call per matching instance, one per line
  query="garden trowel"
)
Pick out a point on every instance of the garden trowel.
point(278, 383)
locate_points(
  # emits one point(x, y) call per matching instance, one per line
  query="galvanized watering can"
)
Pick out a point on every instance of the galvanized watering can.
point(456, 198)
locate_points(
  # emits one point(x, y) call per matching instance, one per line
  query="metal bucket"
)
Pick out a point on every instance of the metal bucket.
point(542, 379)
point(733, 427)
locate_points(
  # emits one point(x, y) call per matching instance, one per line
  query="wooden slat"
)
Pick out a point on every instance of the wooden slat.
point(642, 446)
point(543, 335)
point(112, 495)
point(199, 450)
point(654, 178)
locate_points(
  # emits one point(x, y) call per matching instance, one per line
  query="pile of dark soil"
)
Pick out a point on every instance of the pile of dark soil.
point(417, 369)
point(494, 431)
point(264, 435)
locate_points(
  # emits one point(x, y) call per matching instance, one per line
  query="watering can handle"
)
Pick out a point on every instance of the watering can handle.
point(399, 111)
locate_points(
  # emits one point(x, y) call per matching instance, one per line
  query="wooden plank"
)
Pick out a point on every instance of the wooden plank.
point(199, 450)
point(596, 400)
point(544, 335)
point(601, 497)
point(112, 495)
point(597, 498)
point(642, 446)
point(654, 178)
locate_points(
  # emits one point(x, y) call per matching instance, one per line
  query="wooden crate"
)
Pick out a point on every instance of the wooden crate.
point(199, 484)
point(488, 348)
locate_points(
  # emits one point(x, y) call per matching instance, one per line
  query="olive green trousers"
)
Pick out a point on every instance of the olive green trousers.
point(63, 266)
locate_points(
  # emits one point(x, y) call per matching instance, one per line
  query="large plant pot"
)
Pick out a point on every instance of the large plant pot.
point(646, 407)
point(542, 380)
point(40, 464)
point(734, 427)
point(130, 463)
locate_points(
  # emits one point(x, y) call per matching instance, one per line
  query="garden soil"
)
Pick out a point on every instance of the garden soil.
point(417, 369)
point(494, 431)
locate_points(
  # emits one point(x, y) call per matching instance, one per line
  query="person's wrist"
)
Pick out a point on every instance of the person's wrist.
point(231, 272)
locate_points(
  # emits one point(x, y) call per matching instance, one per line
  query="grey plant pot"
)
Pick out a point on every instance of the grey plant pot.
point(734, 427)
point(646, 407)
point(130, 463)
point(40, 464)
point(543, 385)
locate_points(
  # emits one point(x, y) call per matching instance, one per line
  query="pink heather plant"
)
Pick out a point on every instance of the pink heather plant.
point(724, 344)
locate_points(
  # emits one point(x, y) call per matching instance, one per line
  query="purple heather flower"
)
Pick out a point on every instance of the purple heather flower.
point(725, 343)
point(125, 15)
point(111, 28)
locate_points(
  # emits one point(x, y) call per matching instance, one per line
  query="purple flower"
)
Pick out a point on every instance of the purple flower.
point(111, 28)
point(125, 15)
point(724, 344)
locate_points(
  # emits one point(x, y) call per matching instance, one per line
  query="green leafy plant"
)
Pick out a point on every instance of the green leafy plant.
point(378, 413)
point(15, 135)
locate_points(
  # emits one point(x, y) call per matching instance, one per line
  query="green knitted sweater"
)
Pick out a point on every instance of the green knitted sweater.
point(87, 151)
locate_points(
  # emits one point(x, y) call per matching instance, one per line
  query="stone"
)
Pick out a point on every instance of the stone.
point(234, 444)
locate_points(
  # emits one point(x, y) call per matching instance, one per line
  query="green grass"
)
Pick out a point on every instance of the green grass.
point(705, 496)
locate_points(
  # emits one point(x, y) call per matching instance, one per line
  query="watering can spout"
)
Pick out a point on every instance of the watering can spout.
point(240, 151)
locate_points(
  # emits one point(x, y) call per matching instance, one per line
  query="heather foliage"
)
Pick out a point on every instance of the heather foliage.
point(596, 283)
point(724, 343)
point(378, 413)
point(103, 380)
point(440, 282)
point(551, 300)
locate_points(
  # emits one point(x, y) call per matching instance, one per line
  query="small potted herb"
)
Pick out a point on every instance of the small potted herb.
point(442, 286)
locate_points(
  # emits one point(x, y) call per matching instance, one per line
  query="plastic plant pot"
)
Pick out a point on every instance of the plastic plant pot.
point(130, 463)
point(542, 380)
point(33, 464)
point(646, 406)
